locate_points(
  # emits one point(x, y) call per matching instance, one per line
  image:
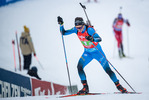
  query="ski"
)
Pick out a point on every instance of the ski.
point(81, 94)
point(128, 93)
point(126, 57)
point(18, 51)
point(13, 45)
point(72, 95)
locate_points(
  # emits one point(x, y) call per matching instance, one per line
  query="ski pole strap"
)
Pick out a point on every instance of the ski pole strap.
point(93, 34)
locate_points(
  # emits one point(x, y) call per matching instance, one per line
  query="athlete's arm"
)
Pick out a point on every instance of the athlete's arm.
point(67, 32)
point(95, 36)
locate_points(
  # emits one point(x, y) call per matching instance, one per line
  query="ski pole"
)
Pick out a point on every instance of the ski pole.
point(128, 40)
point(105, 57)
point(114, 68)
point(66, 63)
point(39, 62)
point(13, 43)
point(114, 48)
point(18, 51)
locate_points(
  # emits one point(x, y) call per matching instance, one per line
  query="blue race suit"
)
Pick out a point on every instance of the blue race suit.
point(90, 51)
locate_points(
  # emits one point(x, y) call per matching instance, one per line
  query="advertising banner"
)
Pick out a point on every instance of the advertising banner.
point(47, 88)
point(14, 85)
point(6, 2)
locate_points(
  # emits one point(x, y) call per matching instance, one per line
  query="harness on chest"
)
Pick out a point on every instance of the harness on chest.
point(119, 24)
point(86, 43)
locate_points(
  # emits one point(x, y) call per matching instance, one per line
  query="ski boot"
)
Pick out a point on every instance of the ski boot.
point(85, 89)
point(120, 88)
point(119, 52)
point(123, 54)
point(122, 51)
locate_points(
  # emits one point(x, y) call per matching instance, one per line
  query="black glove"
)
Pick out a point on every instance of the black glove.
point(34, 54)
point(90, 38)
point(60, 20)
point(127, 22)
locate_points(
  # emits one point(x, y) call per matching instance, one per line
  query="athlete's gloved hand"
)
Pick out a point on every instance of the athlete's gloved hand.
point(35, 54)
point(60, 20)
point(90, 38)
point(127, 22)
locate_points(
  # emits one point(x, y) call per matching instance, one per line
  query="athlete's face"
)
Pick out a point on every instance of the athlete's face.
point(80, 28)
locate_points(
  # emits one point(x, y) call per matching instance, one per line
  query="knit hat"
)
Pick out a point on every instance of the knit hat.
point(26, 29)
point(79, 21)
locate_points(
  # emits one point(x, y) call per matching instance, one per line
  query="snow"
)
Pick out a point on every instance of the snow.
point(41, 17)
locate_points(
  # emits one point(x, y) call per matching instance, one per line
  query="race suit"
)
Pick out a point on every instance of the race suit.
point(92, 50)
point(117, 28)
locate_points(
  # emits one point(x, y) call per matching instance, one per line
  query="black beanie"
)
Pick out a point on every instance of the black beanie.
point(79, 21)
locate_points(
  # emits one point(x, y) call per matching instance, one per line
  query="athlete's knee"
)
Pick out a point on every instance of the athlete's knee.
point(80, 67)
point(109, 71)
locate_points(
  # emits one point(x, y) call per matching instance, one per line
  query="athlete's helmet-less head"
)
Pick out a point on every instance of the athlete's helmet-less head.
point(79, 21)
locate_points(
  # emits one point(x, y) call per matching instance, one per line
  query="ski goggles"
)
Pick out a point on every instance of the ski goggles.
point(79, 27)
point(120, 16)
point(78, 22)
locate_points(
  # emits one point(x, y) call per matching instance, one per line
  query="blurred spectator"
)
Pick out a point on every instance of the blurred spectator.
point(27, 48)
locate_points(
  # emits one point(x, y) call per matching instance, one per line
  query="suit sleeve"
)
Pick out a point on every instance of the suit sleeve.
point(31, 44)
point(93, 33)
point(67, 32)
point(114, 22)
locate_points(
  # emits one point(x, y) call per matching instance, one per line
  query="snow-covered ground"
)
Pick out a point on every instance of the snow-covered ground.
point(41, 17)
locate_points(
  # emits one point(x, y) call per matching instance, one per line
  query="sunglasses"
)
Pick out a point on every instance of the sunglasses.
point(79, 27)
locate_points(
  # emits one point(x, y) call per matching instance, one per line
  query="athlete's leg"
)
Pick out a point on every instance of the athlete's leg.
point(103, 61)
point(84, 60)
point(118, 36)
point(121, 44)
point(101, 58)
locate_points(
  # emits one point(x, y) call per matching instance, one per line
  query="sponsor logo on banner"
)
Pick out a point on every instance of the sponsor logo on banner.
point(13, 90)
point(14, 85)
point(47, 88)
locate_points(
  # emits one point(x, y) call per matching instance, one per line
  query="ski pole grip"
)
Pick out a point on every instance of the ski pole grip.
point(82, 6)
